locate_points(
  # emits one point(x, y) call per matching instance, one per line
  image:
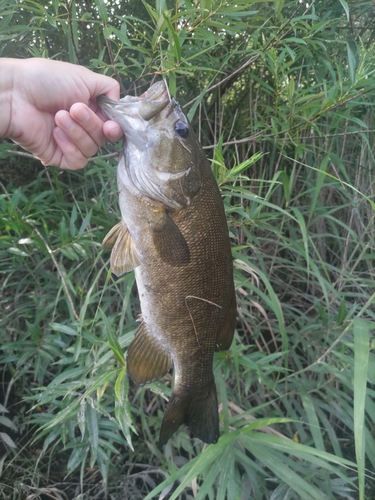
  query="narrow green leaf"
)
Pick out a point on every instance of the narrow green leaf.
point(352, 60)
point(102, 11)
point(100, 381)
point(75, 373)
point(312, 419)
point(85, 223)
point(8, 423)
point(81, 417)
point(361, 357)
point(58, 327)
point(92, 426)
point(346, 8)
point(318, 185)
point(68, 412)
point(77, 457)
point(275, 462)
point(113, 341)
point(7, 440)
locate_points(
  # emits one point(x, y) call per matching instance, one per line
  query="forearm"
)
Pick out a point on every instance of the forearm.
point(7, 72)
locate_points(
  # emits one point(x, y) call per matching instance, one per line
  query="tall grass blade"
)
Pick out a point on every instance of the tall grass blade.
point(361, 357)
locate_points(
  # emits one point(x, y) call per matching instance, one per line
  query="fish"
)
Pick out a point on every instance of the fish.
point(173, 233)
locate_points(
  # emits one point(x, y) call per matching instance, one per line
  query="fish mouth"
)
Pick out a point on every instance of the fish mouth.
point(146, 106)
point(157, 92)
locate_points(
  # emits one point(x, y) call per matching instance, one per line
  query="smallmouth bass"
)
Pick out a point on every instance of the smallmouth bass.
point(174, 234)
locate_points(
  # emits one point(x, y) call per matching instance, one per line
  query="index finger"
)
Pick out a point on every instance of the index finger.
point(105, 85)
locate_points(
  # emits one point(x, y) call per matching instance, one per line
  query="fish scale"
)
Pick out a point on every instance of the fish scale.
point(174, 234)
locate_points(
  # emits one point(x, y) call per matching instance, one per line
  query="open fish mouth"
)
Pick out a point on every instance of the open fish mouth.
point(146, 106)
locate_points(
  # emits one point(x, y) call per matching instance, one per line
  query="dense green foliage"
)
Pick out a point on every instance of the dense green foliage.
point(285, 91)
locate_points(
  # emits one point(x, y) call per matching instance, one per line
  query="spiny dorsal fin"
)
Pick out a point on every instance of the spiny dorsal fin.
point(146, 360)
point(124, 257)
point(169, 242)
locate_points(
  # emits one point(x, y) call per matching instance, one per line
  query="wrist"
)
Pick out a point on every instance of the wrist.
point(7, 71)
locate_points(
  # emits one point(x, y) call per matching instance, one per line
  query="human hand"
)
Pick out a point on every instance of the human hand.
point(53, 112)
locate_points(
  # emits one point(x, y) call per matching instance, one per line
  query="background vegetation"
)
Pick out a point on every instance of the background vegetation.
point(282, 95)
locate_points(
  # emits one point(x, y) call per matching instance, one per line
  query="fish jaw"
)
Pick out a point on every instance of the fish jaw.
point(134, 113)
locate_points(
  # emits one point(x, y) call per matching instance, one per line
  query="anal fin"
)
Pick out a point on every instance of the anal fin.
point(169, 242)
point(146, 360)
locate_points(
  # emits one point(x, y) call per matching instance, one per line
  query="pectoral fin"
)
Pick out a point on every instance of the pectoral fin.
point(124, 257)
point(169, 242)
point(109, 241)
point(146, 360)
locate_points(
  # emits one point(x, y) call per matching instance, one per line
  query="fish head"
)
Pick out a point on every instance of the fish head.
point(163, 158)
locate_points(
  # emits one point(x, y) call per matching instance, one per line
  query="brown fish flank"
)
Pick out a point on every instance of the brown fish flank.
point(174, 235)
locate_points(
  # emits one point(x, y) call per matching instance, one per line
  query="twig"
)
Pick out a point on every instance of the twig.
point(237, 141)
point(49, 250)
point(256, 56)
point(239, 70)
point(68, 7)
point(32, 157)
point(113, 63)
point(101, 157)
point(21, 153)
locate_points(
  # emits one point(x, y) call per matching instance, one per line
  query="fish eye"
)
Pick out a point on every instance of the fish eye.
point(182, 129)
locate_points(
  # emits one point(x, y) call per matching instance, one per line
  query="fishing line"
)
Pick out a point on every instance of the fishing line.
point(191, 316)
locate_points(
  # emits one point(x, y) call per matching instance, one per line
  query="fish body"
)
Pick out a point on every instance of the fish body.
point(174, 234)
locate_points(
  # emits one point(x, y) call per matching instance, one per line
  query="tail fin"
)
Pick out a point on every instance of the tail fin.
point(197, 409)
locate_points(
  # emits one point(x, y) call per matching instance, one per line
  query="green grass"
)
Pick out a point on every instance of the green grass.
point(294, 158)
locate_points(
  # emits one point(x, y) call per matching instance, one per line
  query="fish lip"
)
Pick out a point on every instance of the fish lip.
point(146, 106)
point(157, 92)
point(103, 100)
point(107, 106)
